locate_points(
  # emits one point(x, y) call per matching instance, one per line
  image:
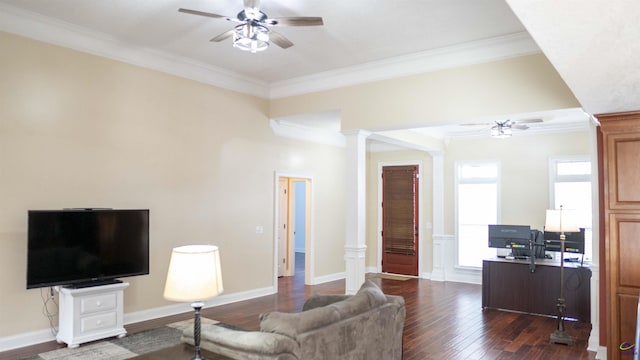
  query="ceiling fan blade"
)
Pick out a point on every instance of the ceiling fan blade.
point(296, 21)
point(225, 35)
point(280, 40)
point(476, 124)
point(202, 13)
point(528, 121)
point(519, 126)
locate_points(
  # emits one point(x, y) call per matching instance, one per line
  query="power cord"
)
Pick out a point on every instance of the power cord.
point(50, 308)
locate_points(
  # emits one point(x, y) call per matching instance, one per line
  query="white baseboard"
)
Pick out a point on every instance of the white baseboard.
point(180, 308)
point(328, 278)
point(26, 339)
point(602, 353)
point(45, 335)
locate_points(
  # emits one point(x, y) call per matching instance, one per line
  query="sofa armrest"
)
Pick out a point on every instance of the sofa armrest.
point(322, 300)
point(247, 344)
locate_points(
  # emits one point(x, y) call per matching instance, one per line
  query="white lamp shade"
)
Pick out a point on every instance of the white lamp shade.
point(194, 273)
point(562, 220)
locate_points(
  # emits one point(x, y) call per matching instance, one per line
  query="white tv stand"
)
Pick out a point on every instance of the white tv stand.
point(91, 313)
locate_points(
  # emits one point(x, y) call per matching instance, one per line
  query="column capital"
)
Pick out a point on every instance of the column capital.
point(356, 132)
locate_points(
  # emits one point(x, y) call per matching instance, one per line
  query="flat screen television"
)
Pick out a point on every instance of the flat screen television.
point(86, 247)
point(573, 241)
point(509, 236)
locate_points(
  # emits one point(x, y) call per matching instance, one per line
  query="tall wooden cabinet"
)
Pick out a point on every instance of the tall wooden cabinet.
point(619, 158)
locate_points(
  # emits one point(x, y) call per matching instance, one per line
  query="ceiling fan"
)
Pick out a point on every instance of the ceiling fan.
point(503, 129)
point(253, 32)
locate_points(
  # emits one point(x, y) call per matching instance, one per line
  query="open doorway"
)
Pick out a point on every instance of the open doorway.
point(293, 227)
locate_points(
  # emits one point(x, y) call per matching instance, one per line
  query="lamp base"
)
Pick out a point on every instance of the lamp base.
point(560, 337)
point(197, 306)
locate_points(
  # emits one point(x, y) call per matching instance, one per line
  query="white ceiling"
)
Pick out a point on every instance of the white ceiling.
point(593, 45)
point(355, 31)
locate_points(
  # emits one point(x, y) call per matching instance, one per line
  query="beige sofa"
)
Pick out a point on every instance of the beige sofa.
point(367, 325)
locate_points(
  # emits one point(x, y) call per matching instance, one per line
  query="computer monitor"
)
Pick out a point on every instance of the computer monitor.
point(509, 236)
point(537, 240)
point(573, 243)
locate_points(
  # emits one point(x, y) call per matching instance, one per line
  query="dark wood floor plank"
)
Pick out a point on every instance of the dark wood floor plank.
point(444, 321)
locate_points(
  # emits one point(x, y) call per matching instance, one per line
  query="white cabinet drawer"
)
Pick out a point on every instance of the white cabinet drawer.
point(97, 322)
point(97, 303)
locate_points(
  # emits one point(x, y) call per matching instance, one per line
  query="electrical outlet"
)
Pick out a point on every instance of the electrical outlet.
point(259, 229)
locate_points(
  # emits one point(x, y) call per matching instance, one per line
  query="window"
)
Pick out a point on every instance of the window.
point(476, 208)
point(571, 188)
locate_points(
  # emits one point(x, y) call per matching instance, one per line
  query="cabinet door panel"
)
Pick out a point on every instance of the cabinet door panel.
point(627, 312)
point(628, 251)
point(624, 172)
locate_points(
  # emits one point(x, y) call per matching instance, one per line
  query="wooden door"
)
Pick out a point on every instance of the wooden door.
point(400, 219)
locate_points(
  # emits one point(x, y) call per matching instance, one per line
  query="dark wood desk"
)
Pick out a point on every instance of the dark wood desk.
point(510, 285)
point(178, 352)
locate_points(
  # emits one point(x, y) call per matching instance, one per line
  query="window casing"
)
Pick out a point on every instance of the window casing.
point(570, 186)
point(477, 199)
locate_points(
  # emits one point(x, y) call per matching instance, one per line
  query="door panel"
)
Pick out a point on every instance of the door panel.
point(400, 219)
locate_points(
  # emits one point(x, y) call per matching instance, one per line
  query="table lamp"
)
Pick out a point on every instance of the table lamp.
point(194, 276)
point(561, 221)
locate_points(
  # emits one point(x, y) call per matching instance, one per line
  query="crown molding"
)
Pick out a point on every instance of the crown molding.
point(319, 136)
point(477, 52)
point(57, 32)
point(61, 33)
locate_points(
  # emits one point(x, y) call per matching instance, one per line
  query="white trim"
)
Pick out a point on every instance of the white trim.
point(554, 178)
point(328, 278)
point(305, 133)
point(466, 275)
point(443, 256)
point(476, 52)
point(58, 32)
point(309, 272)
point(457, 182)
point(45, 335)
point(421, 228)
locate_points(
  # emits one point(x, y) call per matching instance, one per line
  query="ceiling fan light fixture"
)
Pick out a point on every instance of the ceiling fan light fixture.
point(501, 131)
point(251, 37)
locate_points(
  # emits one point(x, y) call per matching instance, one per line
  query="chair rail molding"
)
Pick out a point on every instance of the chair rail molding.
point(442, 257)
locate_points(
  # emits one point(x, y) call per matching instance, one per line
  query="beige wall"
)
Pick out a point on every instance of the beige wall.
point(78, 130)
point(524, 181)
point(374, 161)
point(524, 177)
point(518, 85)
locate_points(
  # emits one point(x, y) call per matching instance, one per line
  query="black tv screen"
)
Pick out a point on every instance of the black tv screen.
point(76, 247)
point(574, 241)
point(509, 236)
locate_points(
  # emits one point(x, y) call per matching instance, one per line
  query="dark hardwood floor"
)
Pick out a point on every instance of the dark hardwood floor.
point(444, 321)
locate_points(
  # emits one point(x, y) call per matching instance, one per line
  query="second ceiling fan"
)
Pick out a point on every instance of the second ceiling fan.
point(253, 31)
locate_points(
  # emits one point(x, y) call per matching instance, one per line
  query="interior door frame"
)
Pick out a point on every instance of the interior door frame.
point(421, 228)
point(309, 265)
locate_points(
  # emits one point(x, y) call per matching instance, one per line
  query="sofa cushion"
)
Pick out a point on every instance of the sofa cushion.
point(292, 324)
point(373, 294)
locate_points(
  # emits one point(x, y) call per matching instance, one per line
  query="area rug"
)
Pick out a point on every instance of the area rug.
point(127, 347)
point(393, 277)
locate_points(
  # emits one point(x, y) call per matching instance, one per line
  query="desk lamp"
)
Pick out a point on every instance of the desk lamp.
point(561, 221)
point(194, 276)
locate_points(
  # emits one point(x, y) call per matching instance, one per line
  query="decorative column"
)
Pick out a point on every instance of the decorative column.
point(355, 248)
point(441, 242)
